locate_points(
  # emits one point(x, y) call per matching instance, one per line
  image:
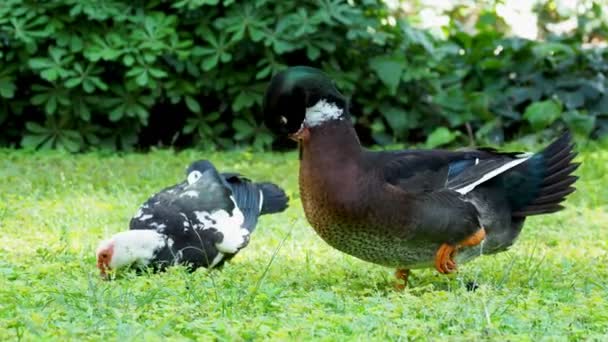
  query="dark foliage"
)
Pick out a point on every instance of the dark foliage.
point(82, 74)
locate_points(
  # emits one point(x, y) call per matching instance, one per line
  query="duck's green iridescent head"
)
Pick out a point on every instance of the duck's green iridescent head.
point(300, 97)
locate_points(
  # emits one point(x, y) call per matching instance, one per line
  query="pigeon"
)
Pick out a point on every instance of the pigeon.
point(203, 221)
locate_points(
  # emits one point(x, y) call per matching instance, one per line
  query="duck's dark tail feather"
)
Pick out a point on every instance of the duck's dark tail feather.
point(549, 178)
point(274, 200)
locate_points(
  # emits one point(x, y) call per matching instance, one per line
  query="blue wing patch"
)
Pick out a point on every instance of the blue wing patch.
point(457, 167)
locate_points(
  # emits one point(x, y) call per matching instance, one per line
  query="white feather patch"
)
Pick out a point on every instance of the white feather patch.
point(145, 217)
point(190, 193)
point(158, 226)
point(321, 112)
point(138, 213)
point(217, 259)
point(235, 237)
point(492, 174)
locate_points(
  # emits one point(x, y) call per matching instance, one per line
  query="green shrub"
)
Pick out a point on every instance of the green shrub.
point(80, 74)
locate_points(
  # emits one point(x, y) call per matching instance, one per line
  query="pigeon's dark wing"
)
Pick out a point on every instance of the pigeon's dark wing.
point(209, 193)
point(152, 210)
point(248, 198)
point(234, 177)
point(255, 199)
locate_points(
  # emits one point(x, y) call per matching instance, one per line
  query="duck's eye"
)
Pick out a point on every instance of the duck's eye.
point(283, 120)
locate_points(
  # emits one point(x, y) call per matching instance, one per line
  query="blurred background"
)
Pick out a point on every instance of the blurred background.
point(84, 75)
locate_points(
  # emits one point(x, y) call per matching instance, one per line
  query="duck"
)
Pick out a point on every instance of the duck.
point(408, 209)
point(204, 221)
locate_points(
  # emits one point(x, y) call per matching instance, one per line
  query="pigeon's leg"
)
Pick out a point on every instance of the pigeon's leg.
point(444, 258)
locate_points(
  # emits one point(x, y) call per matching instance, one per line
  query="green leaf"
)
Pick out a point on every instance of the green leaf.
point(379, 132)
point(210, 62)
point(243, 129)
point(582, 124)
point(98, 83)
point(439, 137)
point(117, 113)
point(51, 105)
point(396, 118)
point(34, 141)
point(72, 82)
point(35, 127)
point(157, 73)
point(571, 99)
point(244, 99)
point(40, 63)
point(142, 79)
point(389, 70)
point(542, 114)
point(7, 88)
point(128, 60)
point(192, 104)
point(546, 49)
point(70, 141)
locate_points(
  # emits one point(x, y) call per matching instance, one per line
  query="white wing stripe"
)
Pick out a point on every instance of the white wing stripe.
point(261, 200)
point(492, 174)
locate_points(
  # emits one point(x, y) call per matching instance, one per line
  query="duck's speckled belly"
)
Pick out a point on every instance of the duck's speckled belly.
point(385, 251)
point(378, 249)
point(356, 237)
point(359, 238)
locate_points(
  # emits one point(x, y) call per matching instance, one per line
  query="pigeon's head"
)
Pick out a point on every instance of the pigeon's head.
point(105, 252)
point(196, 170)
point(299, 98)
point(128, 248)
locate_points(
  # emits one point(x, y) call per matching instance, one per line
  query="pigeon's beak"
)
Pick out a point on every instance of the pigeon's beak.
point(302, 134)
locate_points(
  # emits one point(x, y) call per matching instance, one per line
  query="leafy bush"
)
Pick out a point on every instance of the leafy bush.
point(80, 74)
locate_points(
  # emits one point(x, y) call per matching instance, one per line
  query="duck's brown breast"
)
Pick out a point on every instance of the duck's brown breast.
point(326, 197)
point(342, 211)
point(346, 201)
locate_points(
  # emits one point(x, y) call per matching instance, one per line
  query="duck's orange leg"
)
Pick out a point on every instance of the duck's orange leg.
point(444, 259)
point(401, 274)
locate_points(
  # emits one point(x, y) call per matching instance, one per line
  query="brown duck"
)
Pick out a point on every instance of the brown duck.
point(412, 208)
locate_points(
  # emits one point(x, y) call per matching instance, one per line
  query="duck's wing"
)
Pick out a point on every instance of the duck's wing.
point(431, 170)
point(442, 216)
point(433, 185)
point(532, 183)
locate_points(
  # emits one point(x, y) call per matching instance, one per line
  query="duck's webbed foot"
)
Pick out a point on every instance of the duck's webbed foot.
point(444, 258)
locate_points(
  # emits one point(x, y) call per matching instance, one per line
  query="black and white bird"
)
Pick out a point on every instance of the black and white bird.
point(201, 222)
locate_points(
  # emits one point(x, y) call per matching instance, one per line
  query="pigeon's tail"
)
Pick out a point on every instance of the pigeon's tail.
point(274, 199)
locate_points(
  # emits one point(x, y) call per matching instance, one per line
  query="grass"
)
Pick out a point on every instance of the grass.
point(287, 284)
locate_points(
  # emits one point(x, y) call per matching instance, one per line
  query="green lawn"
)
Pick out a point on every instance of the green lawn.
point(287, 284)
